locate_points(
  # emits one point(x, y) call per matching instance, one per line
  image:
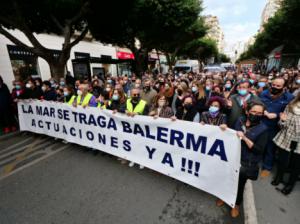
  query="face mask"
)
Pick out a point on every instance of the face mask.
point(146, 88)
point(37, 84)
point(161, 103)
point(188, 106)
point(179, 91)
point(227, 86)
point(208, 88)
point(243, 92)
point(194, 89)
point(28, 85)
point(135, 98)
point(66, 94)
point(251, 81)
point(44, 88)
point(254, 119)
point(79, 92)
point(18, 87)
point(109, 81)
point(107, 89)
point(213, 111)
point(52, 82)
point(115, 97)
point(62, 83)
point(261, 84)
point(167, 87)
point(298, 81)
point(276, 91)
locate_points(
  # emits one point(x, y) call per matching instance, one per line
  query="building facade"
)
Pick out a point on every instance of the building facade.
point(18, 63)
point(215, 32)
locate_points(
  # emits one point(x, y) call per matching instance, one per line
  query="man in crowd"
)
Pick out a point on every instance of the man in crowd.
point(49, 93)
point(135, 105)
point(275, 99)
point(238, 102)
point(148, 93)
point(84, 98)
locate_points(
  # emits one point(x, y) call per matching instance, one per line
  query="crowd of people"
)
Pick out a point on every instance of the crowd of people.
point(263, 109)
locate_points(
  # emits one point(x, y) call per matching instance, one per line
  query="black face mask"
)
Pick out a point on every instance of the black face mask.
point(146, 88)
point(254, 119)
point(135, 99)
point(179, 91)
point(188, 106)
point(276, 91)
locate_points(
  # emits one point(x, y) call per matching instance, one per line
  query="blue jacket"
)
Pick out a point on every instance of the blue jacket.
point(274, 105)
point(258, 135)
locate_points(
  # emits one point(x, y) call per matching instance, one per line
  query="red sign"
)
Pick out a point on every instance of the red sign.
point(125, 55)
point(277, 55)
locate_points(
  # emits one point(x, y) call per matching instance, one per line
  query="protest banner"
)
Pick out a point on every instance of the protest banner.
point(203, 156)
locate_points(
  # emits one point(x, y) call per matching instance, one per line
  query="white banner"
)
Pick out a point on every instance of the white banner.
point(200, 155)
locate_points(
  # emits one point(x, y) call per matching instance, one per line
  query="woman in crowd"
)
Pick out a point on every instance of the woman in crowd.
point(189, 110)
point(199, 95)
point(69, 95)
point(181, 91)
point(253, 134)
point(118, 101)
point(287, 140)
point(214, 115)
point(160, 107)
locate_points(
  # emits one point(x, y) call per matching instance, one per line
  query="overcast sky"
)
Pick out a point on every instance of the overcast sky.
point(239, 19)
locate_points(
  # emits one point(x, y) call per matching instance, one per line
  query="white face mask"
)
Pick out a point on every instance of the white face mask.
point(44, 88)
point(79, 92)
point(161, 103)
point(28, 85)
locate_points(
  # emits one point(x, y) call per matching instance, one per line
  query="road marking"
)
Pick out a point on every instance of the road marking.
point(33, 163)
point(249, 205)
point(9, 167)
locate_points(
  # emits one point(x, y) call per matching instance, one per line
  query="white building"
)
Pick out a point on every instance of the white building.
point(14, 60)
point(269, 11)
point(215, 32)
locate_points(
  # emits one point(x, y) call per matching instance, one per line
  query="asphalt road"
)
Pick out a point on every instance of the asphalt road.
point(68, 184)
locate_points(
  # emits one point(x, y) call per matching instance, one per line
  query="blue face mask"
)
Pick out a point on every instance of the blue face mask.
point(115, 97)
point(208, 88)
point(261, 84)
point(227, 86)
point(66, 94)
point(213, 109)
point(298, 81)
point(243, 92)
point(251, 81)
point(18, 87)
point(62, 83)
point(194, 89)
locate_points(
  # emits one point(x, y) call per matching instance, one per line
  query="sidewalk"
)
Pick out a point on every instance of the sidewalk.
point(272, 207)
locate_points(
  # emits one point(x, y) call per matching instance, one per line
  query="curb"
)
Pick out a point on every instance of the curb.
point(249, 205)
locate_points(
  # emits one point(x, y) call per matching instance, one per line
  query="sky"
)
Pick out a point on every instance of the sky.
point(239, 19)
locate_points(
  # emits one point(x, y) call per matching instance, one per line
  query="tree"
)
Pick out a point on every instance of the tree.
point(62, 17)
point(202, 49)
point(154, 23)
point(282, 29)
point(223, 58)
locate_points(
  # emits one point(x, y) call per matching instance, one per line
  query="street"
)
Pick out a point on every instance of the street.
point(74, 186)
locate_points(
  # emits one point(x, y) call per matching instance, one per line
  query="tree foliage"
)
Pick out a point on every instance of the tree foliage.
point(282, 29)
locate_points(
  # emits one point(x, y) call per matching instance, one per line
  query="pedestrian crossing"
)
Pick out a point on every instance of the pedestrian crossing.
point(23, 149)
